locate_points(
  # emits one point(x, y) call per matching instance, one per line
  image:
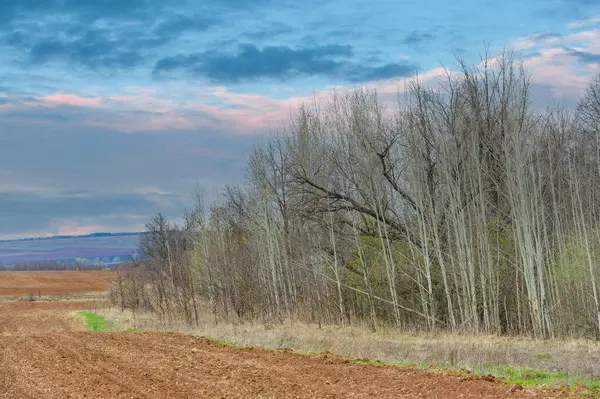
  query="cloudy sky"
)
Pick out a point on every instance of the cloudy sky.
point(113, 110)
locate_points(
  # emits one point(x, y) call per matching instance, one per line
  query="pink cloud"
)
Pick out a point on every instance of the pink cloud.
point(584, 22)
point(395, 86)
point(76, 229)
point(533, 41)
point(79, 101)
point(164, 121)
point(556, 68)
point(259, 112)
point(70, 99)
point(252, 112)
point(89, 225)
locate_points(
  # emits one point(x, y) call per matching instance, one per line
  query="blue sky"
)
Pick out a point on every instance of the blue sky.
point(113, 110)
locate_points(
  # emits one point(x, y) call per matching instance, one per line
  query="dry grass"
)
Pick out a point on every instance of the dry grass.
point(475, 353)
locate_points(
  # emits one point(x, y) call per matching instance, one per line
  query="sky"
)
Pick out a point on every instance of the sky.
point(114, 110)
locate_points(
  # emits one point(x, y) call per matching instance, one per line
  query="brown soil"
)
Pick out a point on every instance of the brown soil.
point(54, 282)
point(45, 353)
point(38, 317)
point(168, 365)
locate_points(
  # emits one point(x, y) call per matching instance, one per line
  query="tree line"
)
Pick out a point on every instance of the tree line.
point(459, 208)
point(50, 265)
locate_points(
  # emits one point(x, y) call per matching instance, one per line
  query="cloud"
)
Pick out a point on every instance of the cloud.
point(72, 155)
point(68, 170)
point(103, 48)
point(554, 69)
point(112, 8)
point(252, 63)
point(24, 212)
point(585, 56)
point(387, 71)
point(275, 29)
point(584, 22)
point(173, 27)
point(74, 227)
point(104, 35)
point(545, 36)
point(135, 113)
point(215, 110)
point(88, 10)
point(66, 205)
point(278, 62)
point(536, 39)
point(560, 65)
point(73, 100)
point(549, 39)
point(94, 49)
point(416, 37)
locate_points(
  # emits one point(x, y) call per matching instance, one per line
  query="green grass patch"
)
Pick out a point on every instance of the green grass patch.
point(538, 378)
point(95, 322)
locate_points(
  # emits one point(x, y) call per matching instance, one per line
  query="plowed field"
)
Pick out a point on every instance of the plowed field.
point(165, 365)
point(35, 317)
point(45, 353)
point(54, 282)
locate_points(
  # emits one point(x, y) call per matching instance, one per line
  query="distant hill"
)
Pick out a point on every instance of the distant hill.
point(74, 236)
point(97, 248)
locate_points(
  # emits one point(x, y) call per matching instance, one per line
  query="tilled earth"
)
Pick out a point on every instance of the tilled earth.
point(165, 365)
point(35, 363)
point(31, 317)
point(54, 282)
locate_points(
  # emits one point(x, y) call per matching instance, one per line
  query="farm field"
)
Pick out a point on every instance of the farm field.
point(54, 282)
point(47, 353)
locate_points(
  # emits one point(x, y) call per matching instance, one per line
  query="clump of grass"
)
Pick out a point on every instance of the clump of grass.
point(95, 322)
point(543, 356)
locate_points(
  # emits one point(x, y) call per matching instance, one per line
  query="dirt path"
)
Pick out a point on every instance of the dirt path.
point(167, 365)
